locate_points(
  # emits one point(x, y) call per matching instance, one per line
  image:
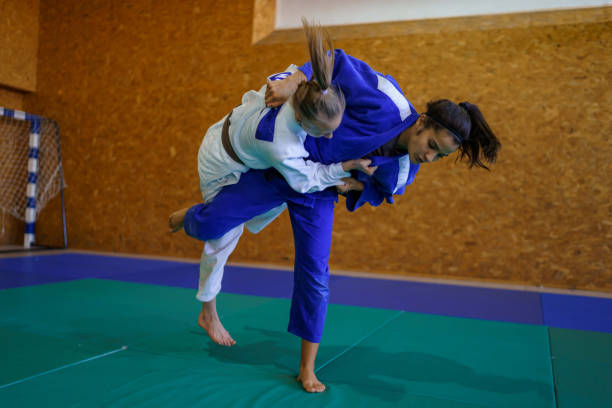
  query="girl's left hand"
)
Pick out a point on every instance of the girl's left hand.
point(350, 184)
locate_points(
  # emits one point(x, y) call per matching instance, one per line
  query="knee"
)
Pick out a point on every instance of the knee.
point(314, 284)
point(198, 226)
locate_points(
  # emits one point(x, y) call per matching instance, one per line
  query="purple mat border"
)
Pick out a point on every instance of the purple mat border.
point(555, 310)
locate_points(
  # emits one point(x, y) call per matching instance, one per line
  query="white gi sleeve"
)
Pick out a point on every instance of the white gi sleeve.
point(306, 176)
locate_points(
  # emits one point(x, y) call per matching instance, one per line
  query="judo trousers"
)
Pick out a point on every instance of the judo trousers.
point(220, 223)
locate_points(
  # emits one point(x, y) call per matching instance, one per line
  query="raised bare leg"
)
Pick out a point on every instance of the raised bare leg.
point(307, 377)
point(209, 321)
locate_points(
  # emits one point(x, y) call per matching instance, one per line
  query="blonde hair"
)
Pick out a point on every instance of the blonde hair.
point(317, 101)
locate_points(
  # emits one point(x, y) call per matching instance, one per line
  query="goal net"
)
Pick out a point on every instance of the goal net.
point(30, 167)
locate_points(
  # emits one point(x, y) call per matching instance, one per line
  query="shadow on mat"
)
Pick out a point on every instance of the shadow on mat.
point(374, 372)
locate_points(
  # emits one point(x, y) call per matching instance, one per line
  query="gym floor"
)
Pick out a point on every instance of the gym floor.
point(82, 329)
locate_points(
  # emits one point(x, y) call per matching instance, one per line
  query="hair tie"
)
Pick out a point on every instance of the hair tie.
point(324, 91)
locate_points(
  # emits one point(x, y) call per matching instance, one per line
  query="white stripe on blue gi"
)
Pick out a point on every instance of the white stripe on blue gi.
point(385, 86)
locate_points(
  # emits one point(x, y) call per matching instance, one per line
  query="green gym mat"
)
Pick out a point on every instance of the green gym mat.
point(62, 346)
point(582, 363)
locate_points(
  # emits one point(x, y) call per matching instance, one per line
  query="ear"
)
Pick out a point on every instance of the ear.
point(421, 120)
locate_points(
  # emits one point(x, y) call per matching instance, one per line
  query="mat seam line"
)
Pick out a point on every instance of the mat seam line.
point(550, 354)
point(552, 369)
point(352, 346)
point(63, 367)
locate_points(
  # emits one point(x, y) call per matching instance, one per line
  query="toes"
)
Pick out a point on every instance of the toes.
point(312, 386)
point(216, 332)
point(228, 341)
point(222, 341)
point(315, 387)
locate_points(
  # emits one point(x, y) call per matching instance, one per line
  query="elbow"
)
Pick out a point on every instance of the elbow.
point(302, 188)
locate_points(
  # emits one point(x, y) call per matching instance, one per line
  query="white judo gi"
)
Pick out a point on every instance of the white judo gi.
point(285, 152)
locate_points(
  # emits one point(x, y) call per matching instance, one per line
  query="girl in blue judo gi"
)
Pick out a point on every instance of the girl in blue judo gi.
point(380, 124)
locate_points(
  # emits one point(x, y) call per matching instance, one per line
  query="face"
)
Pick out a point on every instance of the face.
point(428, 145)
point(319, 129)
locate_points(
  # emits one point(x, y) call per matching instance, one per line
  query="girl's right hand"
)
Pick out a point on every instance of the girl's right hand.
point(363, 165)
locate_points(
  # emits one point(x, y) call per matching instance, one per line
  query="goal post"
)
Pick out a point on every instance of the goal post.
point(31, 172)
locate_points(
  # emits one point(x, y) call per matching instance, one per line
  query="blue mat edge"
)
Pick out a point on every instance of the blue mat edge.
point(466, 301)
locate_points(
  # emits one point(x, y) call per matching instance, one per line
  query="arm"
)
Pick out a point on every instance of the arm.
point(306, 176)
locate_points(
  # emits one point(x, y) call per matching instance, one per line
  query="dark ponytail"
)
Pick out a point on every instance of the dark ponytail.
point(481, 141)
point(470, 129)
point(317, 101)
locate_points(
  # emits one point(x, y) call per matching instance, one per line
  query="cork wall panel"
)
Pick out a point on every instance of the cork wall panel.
point(18, 43)
point(134, 87)
point(11, 99)
point(18, 49)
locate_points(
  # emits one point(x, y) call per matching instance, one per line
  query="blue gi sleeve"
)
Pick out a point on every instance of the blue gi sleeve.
point(343, 63)
point(306, 70)
point(382, 185)
point(370, 194)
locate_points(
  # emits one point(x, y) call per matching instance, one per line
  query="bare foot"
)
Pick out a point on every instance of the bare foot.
point(177, 219)
point(209, 321)
point(309, 381)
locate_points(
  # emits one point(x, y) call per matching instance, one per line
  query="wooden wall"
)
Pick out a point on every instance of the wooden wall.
point(18, 43)
point(134, 86)
point(18, 52)
point(11, 99)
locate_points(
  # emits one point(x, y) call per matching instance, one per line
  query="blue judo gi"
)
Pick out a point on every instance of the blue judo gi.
point(376, 112)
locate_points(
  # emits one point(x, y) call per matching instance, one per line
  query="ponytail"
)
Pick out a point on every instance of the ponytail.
point(321, 53)
point(317, 101)
point(468, 126)
point(481, 141)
